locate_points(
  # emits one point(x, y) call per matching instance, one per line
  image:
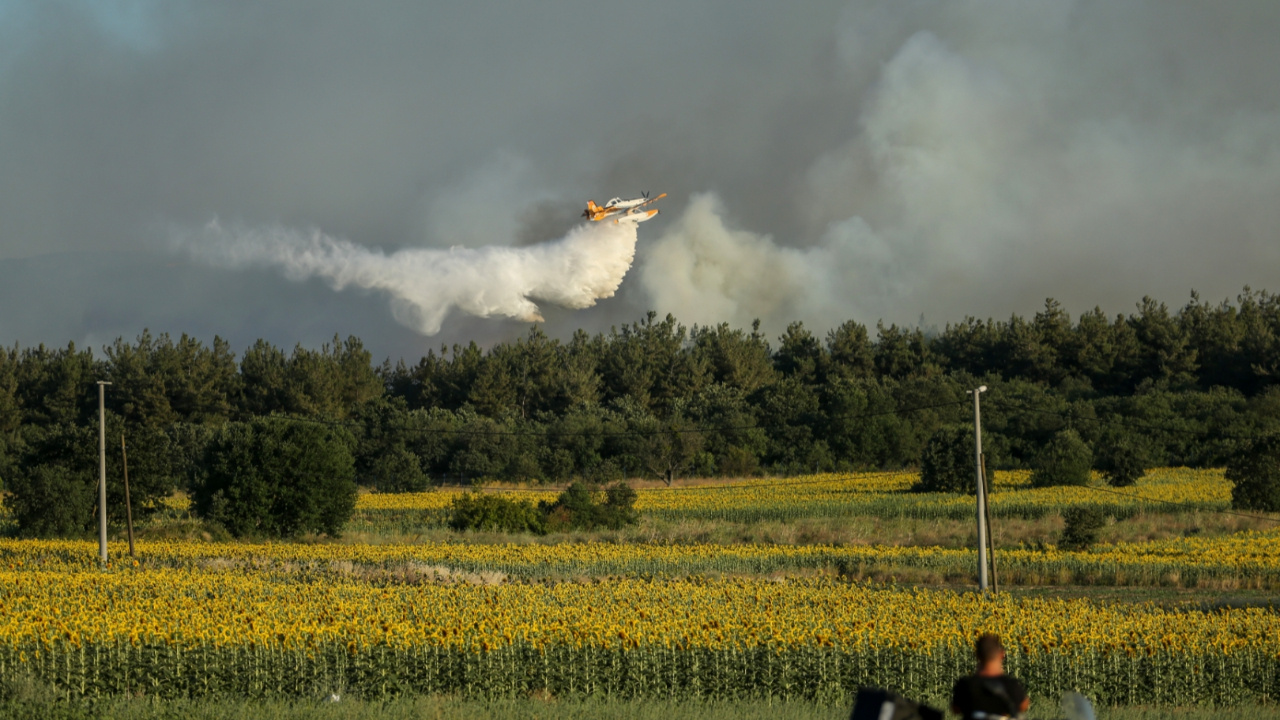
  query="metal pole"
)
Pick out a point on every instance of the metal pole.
point(991, 540)
point(128, 507)
point(982, 495)
point(102, 472)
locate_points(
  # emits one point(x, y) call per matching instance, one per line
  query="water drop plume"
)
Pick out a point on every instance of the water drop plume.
point(425, 284)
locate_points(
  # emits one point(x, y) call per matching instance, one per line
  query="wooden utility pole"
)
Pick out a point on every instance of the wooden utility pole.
point(128, 507)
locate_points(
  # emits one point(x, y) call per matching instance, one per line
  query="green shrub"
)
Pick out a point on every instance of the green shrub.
point(1066, 460)
point(1120, 462)
point(1082, 526)
point(1255, 474)
point(398, 470)
point(739, 462)
point(947, 462)
point(605, 471)
point(559, 465)
point(577, 508)
point(619, 506)
point(477, 511)
point(52, 501)
point(54, 485)
point(187, 447)
point(277, 478)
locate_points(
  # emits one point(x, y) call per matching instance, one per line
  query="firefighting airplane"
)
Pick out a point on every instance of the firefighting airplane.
point(627, 210)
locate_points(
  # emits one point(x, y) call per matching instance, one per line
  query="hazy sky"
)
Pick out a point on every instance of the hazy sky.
point(824, 160)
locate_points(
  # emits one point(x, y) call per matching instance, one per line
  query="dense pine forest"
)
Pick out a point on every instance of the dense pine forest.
point(656, 399)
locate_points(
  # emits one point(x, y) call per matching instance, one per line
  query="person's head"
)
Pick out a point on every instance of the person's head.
point(989, 651)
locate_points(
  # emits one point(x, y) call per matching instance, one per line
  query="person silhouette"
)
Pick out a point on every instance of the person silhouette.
point(989, 694)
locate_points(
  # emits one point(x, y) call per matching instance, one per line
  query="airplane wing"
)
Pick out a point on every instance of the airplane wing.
point(641, 202)
point(635, 215)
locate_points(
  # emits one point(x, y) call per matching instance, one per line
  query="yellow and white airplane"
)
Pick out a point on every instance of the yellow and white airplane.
point(626, 210)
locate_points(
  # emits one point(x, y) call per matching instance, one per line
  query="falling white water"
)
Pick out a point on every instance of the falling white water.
point(575, 271)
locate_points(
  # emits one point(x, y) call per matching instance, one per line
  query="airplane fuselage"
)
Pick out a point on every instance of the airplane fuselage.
point(620, 204)
point(628, 210)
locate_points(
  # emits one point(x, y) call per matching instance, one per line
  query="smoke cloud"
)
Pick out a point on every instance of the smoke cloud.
point(984, 170)
point(827, 160)
point(574, 272)
point(710, 273)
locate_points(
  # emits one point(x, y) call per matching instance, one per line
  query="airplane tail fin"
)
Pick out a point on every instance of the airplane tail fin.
point(593, 211)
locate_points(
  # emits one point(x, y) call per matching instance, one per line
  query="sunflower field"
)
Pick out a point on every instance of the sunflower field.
point(1246, 559)
point(880, 494)
point(190, 632)
point(647, 619)
point(883, 494)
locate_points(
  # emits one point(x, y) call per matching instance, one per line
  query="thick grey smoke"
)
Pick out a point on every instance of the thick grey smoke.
point(709, 273)
point(425, 284)
point(1056, 156)
point(826, 160)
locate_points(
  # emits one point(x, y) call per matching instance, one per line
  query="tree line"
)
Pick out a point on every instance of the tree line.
point(655, 399)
